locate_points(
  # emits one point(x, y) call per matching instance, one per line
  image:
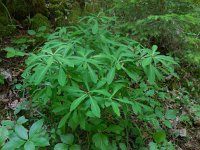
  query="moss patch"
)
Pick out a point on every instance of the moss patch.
point(39, 20)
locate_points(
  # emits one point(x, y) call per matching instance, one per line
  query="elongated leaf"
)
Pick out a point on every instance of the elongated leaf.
point(154, 48)
point(21, 132)
point(75, 147)
point(115, 107)
point(77, 102)
point(95, 107)
point(61, 146)
point(125, 100)
point(36, 127)
point(61, 77)
point(93, 75)
point(151, 74)
point(111, 75)
point(3, 135)
point(29, 145)
point(134, 76)
point(100, 140)
point(146, 62)
point(40, 73)
point(13, 144)
point(136, 108)
point(22, 120)
point(102, 92)
point(95, 27)
point(166, 59)
point(67, 138)
point(123, 146)
point(63, 120)
point(167, 123)
point(40, 141)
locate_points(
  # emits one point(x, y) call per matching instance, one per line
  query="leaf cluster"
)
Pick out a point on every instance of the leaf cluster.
point(95, 81)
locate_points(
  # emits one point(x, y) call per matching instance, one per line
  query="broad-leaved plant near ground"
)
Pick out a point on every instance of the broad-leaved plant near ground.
point(15, 136)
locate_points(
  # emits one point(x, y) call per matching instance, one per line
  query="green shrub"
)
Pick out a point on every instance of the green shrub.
point(39, 20)
point(99, 85)
point(172, 25)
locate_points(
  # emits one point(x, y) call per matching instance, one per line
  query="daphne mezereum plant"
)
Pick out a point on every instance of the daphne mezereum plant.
point(98, 83)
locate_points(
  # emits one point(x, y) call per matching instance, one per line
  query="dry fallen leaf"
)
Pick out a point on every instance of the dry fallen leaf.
point(13, 104)
point(7, 74)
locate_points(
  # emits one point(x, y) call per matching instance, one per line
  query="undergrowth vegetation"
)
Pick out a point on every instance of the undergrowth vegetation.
point(172, 25)
point(99, 85)
point(106, 82)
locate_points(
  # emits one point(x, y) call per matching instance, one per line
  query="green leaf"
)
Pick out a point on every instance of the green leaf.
point(115, 107)
point(170, 114)
point(22, 120)
point(115, 129)
point(75, 147)
point(61, 146)
point(41, 74)
point(167, 123)
point(36, 128)
point(21, 132)
point(154, 48)
point(3, 135)
point(95, 107)
point(67, 138)
point(151, 74)
point(13, 144)
point(40, 141)
point(159, 136)
point(136, 108)
point(61, 77)
point(11, 52)
point(153, 146)
point(77, 102)
point(146, 62)
point(31, 32)
point(93, 75)
point(100, 140)
point(102, 92)
point(63, 120)
point(42, 28)
point(122, 146)
point(95, 28)
point(111, 75)
point(133, 75)
point(7, 123)
point(29, 146)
